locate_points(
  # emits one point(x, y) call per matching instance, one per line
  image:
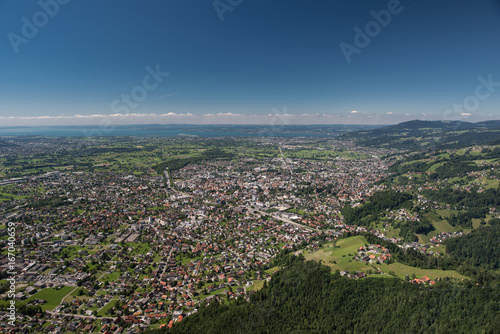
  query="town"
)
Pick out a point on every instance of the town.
point(113, 245)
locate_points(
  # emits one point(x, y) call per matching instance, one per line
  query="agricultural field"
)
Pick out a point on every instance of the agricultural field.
point(139, 155)
point(8, 193)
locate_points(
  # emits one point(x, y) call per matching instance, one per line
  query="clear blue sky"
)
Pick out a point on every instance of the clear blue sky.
point(262, 58)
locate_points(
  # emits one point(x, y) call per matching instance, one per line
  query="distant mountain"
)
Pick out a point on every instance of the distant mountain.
point(488, 124)
point(443, 125)
point(418, 134)
point(419, 125)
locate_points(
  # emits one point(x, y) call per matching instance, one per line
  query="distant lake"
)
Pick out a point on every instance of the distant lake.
point(185, 130)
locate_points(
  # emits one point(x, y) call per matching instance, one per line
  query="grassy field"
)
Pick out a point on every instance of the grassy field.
point(257, 285)
point(435, 166)
point(71, 252)
point(52, 296)
point(401, 270)
point(341, 258)
point(186, 259)
point(489, 183)
point(111, 277)
point(270, 271)
point(441, 249)
point(75, 292)
point(7, 197)
point(106, 307)
point(138, 248)
point(393, 233)
point(440, 226)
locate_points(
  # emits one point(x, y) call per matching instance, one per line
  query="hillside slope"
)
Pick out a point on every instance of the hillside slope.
point(306, 298)
point(418, 135)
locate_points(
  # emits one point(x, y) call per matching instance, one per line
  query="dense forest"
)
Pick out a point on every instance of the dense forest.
point(369, 211)
point(410, 228)
point(479, 248)
point(305, 297)
point(468, 199)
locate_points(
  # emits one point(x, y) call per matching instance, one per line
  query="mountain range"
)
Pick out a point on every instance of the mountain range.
point(424, 135)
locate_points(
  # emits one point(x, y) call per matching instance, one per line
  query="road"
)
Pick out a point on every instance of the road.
point(285, 220)
point(171, 185)
point(62, 300)
point(261, 212)
point(168, 259)
point(79, 315)
point(167, 179)
point(286, 164)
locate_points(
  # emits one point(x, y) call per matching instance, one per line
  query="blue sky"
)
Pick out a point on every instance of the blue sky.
point(248, 61)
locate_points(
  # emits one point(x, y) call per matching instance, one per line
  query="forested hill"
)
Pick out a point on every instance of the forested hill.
point(480, 248)
point(306, 298)
point(417, 135)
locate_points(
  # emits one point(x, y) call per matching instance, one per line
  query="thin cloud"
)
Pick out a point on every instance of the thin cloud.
point(163, 96)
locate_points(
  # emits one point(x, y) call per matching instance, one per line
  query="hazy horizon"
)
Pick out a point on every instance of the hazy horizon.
point(105, 124)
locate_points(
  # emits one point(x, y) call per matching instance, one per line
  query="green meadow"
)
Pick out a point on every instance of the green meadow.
point(52, 296)
point(340, 256)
